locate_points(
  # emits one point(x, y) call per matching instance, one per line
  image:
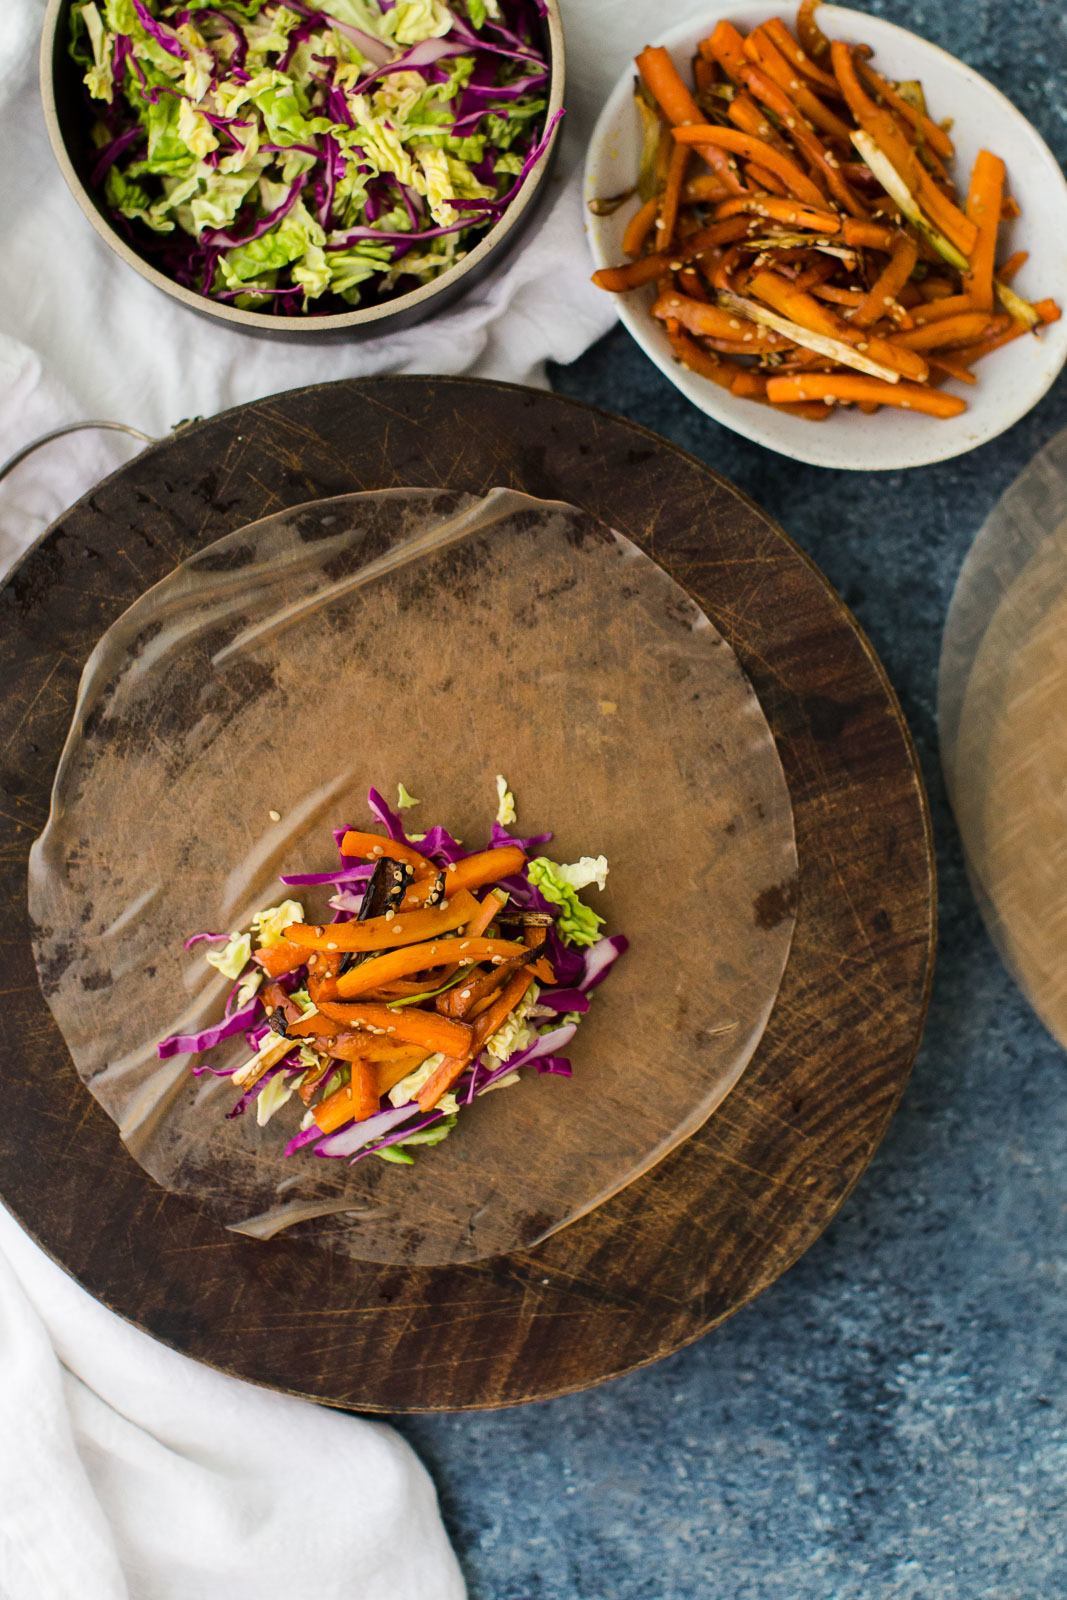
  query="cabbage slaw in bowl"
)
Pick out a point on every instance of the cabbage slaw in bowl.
point(286, 159)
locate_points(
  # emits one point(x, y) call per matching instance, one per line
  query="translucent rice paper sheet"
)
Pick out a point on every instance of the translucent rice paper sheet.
point(436, 639)
point(1003, 717)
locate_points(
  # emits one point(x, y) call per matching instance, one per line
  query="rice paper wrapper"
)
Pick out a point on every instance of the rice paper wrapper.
point(1003, 722)
point(436, 639)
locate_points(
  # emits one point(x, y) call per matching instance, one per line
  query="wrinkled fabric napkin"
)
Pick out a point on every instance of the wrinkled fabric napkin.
point(127, 1470)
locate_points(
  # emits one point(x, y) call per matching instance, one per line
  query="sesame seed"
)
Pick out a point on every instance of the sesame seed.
point(863, 345)
point(905, 405)
point(330, 945)
point(887, 300)
point(734, 322)
point(378, 850)
point(464, 944)
point(464, 994)
point(389, 915)
point(747, 338)
point(275, 816)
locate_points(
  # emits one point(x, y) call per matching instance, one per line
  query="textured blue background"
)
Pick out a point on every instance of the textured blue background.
point(888, 1421)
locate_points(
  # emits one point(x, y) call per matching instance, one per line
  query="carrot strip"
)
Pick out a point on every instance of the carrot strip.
point(487, 1024)
point(696, 359)
point(280, 958)
point(705, 186)
point(884, 131)
point(661, 78)
point(758, 150)
point(804, 309)
point(811, 36)
point(389, 1073)
point(379, 970)
point(1047, 310)
point(797, 57)
point(837, 296)
point(634, 275)
point(760, 178)
point(892, 278)
point(487, 866)
point(855, 387)
point(355, 1102)
point(962, 329)
point(384, 933)
point(409, 1026)
point(667, 216)
point(726, 45)
point(639, 227)
point(949, 305)
point(983, 207)
point(373, 846)
point(934, 136)
point(713, 322)
point(1009, 208)
point(788, 211)
point(950, 367)
point(1013, 266)
point(775, 98)
point(314, 1027)
point(867, 235)
point(763, 50)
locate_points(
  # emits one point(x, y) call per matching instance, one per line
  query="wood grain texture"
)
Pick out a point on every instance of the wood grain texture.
point(728, 1211)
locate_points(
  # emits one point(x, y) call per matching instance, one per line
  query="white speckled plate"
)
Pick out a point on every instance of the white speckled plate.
point(1010, 382)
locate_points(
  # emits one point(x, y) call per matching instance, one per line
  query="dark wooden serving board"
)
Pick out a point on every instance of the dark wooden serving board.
point(726, 1213)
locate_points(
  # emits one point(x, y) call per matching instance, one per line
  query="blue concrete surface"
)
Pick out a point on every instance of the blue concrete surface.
point(888, 1421)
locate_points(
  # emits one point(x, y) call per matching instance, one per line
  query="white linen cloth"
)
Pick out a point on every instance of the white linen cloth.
point(128, 1472)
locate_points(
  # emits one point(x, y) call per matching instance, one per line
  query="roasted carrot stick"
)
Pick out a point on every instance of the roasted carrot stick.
point(487, 1024)
point(280, 958)
point(1013, 266)
point(375, 846)
point(357, 1100)
point(930, 132)
point(892, 278)
point(1047, 310)
point(951, 367)
point(647, 268)
point(743, 144)
point(639, 227)
point(948, 306)
point(726, 45)
point(704, 186)
point(379, 970)
point(660, 76)
point(855, 387)
point(385, 933)
point(760, 178)
point(867, 235)
point(763, 51)
point(951, 332)
point(789, 211)
point(811, 36)
point(487, 866)
point(389, 1073)
point(667, 215)
point(409, 1026)
point(798, 58)
point(879, 124)
point(807, 142)
point(983, 207)
point(713, 322)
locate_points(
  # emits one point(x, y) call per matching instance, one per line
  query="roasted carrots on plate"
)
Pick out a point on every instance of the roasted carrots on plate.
point(800, 235)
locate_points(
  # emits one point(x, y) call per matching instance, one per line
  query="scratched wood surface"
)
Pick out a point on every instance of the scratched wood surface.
point(715, 1223)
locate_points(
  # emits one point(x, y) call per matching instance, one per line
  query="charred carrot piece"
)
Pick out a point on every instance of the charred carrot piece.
point(798, 57)
point(388, 932)
point(758, 150)
point(375, 847)
point(379, 970)
point(949, 332)
point(889, 282)
point(762, 49)
point(278, 959)
point(856, 387)
point(661, 78)
point(487, 1024)
point(788, 211)
point(487, 866)
point(356, 1101)
point(408, 1026)
point(983, 207)
point(639, 227)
